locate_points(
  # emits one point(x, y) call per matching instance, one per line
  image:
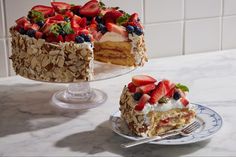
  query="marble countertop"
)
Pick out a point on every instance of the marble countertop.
point(30, 126)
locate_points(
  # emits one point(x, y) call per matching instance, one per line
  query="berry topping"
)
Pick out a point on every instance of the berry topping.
point(31, 33)
point(147, 88)
point(45, 10)
point(133, 17)
point(21, 21)
point(61, 7)
point(102, 28)
point(138, 30)
point(176, 96)
point(142, 102)
point(131, 87)
point(112, 16)
point(75, 22)
point(140, 80)
point(75, 9)
point(40, 23)
point(184, 101)
point(91, 9)
point(38, 35)
point(116, 29)
point(158, 93)
point(130, 29)
point(70, 37)
point(22, 31)
point(79, 39)
point(83, 22)
point(137, 96)
point(86, 38)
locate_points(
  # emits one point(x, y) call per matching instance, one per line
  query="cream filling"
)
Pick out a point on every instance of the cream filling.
point(112, 36)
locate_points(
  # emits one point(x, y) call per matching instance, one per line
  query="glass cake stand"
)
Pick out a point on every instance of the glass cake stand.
point(80, 95)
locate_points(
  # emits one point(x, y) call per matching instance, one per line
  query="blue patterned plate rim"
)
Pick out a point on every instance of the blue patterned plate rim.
point(210, 121)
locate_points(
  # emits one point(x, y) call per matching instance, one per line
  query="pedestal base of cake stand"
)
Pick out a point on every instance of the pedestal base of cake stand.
point(79, 96)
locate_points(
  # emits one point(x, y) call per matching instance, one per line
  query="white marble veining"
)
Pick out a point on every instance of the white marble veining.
point(29, 126)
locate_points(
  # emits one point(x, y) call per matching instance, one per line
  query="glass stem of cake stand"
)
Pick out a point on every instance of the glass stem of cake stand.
point(78, 91)
point(79, 96)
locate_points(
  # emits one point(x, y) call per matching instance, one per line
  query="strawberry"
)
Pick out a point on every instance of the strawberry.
point(117, 29)
point(46, 10)
point(94, 21)
point(69, 14)
point(21, 21)
point(83, 22)
point(90, 9)
point(61, 7)
point(92, 27)
point(168, 85)
point(147, 88)
point(112, 16)
point(70, 37)
point(53, 38)
point(158, 93)
point(104, 11)
point(143, 100)
point(46, 28)
point(75, 21)
point(55, 18)
point(133, 17)
point(140, 80)
point(35, 27)
point(170, 93)
point(96, 35)
point(131, 87)
point(184, 101)
point(75, 9)
point(38, 35)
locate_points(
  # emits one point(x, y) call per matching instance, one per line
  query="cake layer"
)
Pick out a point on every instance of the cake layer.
point(57, 62)
point(128, 53)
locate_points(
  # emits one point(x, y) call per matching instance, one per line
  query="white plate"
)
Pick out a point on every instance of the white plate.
point(210, 122)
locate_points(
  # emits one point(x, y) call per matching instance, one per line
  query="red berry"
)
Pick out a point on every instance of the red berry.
point(112, 16)
point(38, 35)
point(90, 9)
point(83, 22)
point(131, 87)
point(140, 80)
point(184, 101)
point(133, 17)
point(75, 21)
point(21, 21)
point(117, 29)
point(61, 7)
point(70, 37)
point(142, 102)
point(158, 93)
point(46, 10)
point(147, 88)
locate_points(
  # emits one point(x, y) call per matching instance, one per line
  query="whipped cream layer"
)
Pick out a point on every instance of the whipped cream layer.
point(112, 36)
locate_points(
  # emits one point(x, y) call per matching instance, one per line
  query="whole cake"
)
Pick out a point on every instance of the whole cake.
point(152, 108)
point(59, 43)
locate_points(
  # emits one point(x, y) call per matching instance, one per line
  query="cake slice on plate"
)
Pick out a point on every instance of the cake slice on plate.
point(59, 43)
point(151, 107)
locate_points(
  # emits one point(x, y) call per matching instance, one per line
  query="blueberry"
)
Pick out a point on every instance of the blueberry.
point(40, 23)
point(67, 19)
point(176, 96)
point(86, 38)
point(31, 33)
point(130, 28)
point(22, 31)
point(102, 28)
point(138, 30)
point(79, 39)
point(99, 19)
point(137, 96)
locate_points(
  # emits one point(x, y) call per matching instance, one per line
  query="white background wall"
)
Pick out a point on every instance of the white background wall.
point(172, 27)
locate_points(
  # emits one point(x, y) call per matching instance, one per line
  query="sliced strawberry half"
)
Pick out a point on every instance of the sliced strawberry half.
point(46, 10)
point(147, 88)
point(133, 17)
point(140, 80)
point(117, 29)
point(56, 18)
point(158, 93)
point(168, 85)
point(46, 27)
point(142, 102)
point(83, 22)
point(70, 37)
point(38, 35)
point(184, 101)
point(75, 21)
point(112, 16)
point(21, 21)
point(61, 7)
point(90, 9)
point(69, 14)
point(132, 87)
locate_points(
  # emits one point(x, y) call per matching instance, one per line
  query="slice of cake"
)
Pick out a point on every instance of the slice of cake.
point(151, 108)
point(59, 43)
